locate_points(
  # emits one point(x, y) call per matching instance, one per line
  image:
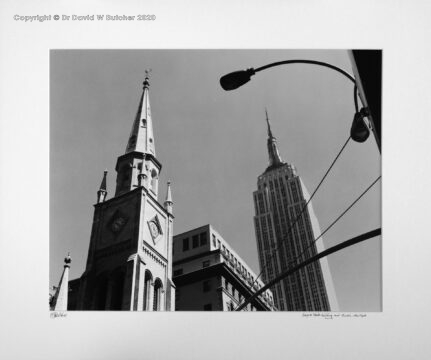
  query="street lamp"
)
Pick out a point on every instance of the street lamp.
point(360, 129)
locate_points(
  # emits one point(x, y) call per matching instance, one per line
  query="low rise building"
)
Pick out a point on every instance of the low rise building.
point(210, 276)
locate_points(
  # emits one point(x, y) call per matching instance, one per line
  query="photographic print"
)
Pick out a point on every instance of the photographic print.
point(204, 180)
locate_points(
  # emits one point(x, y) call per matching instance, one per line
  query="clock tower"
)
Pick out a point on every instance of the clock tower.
point(129, 264)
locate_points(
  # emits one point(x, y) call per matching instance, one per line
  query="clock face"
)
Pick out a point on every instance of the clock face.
point(154, 229)
point(117, 223)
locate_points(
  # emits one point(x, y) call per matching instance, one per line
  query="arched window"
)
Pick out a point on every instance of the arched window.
point(117, 285)
point(147, 287)
point(125, 175)
point(154, 179)
point(158, 286)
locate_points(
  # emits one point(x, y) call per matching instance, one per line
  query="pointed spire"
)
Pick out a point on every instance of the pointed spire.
point(59, 300)
point(274, 156)
point(269, 125)
point(168, 202)
point(101, 194)
point(141, 137)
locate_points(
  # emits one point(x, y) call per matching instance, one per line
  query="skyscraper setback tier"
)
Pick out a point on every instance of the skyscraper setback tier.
point(282, 242)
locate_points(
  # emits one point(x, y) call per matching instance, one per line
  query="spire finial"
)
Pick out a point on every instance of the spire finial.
point(102, 192)
point(103, 183)
point(147, 78)
point(67, 260)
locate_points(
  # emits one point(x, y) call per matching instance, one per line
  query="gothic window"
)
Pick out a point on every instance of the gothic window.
point(117, 284)
point(147, 287)
point(157, 299)
point(154, 179)
point(125, 174)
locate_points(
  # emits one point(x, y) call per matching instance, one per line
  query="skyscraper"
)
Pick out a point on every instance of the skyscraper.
point(129, 264)
point(279, 200)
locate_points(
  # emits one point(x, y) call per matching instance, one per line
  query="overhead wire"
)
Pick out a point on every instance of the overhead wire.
point(274, 251)
point(329, 226)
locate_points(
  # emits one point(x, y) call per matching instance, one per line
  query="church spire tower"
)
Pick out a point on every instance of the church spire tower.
point(139, 160)
point(141, 137)
point(129, 265)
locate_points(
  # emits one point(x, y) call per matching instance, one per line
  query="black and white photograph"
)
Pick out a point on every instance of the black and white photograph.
point(214, 180)
point(199, 198)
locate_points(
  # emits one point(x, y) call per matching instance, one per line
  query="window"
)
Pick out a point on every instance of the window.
point(233, 292)
point(178, 272)
point(147, 286)
point(206, 263)
point(206, 286)
point(208, 307)
point(185, 244)
point(214, 240)
point(157, 295)
point(219, 244)
point(203, 238)
point(195, 240)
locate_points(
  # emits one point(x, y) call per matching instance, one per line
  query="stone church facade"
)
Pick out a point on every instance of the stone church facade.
point(129, 264)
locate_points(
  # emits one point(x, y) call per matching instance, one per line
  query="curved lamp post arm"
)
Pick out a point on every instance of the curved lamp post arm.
point(236, 79)
point(319, 63)
point(359, 131)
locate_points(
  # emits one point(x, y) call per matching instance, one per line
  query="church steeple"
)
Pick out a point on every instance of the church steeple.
point(141, 137)
point(138, 166)
point(274, 156)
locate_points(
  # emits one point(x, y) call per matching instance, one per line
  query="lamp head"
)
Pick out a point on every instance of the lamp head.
point(359, 130)
point(236, 79)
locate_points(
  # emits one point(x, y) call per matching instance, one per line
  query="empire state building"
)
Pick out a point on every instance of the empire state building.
point(285, 237)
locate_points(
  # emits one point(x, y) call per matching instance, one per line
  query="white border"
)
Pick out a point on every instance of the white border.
point(401, 28)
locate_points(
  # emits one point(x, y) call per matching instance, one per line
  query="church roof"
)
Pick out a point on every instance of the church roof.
point(141, 137)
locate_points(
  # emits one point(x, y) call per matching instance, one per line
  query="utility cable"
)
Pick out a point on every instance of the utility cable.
point(338, 247)
point(274, 251)
point(327, 228)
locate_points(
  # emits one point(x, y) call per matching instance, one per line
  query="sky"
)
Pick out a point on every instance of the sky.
point(212, 146)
